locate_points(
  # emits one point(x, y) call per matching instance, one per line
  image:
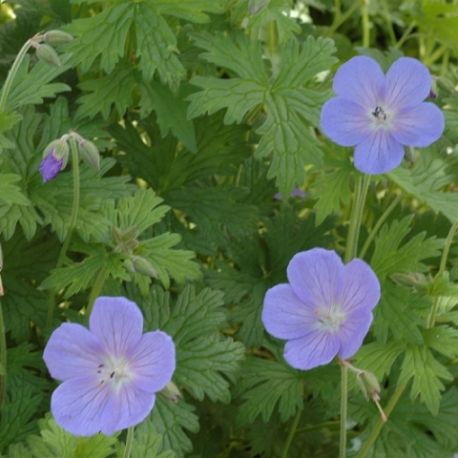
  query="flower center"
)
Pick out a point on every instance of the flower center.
point(115, 372)
point(331, 319)
point(379, 113)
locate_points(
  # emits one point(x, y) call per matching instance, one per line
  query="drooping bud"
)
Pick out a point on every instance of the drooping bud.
point(50, 166)
point(171, 392)
point(368, 383)
point(89, 153)
point(47, 54)
point(57, 36)
point(143, 266)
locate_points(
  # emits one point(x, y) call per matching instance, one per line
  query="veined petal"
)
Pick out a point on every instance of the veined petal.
point(408, 82)
point(361, 81)
point(315, 277)
point(72, 351)
point(84, 407)
point(360, 288)
point(117, 322)
point(315, 349)
point(284, 315)
point(378, 153)
point(344, 122)
point(134, 405)
point(420, 125)
point(153, 361)
point(353, 331)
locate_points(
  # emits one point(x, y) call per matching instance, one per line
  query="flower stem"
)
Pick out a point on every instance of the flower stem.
point(365, 24)
point(379, 425)
point(341, 18)
point(2, 359)
point(362, 185)
point(291, 434)
point(129, 442)
point(13, 71)
point(72, 222)
point(442, 266)
point(378, 225)
point(96, 289)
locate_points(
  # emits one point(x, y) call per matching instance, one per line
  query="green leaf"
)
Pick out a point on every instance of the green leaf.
point(206, 361)
point(102, 36)
point(378, 357)
point(148, 443)
point(191, 10)
point(54, 442)
point(289, 98)
point(392, 256)
point(10, 192)
point(267, 386)
point(426, 182)
point(156, 46)
point(171, 420)
point(170, 111)
point(427, 374)
point(114, 89)
point(443, 339)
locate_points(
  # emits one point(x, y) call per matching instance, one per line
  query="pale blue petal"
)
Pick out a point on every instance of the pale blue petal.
point(315, 349)
point(379, 153)
point(353, 331)
point(360, 287)
point(345, 122)
point(284, 315)
point(419, 126)
point(153, 361)
point(315, 277)
point(83, 407)
point(118, 323)
point(408, 83)
point(360, 80)
point(72, 351)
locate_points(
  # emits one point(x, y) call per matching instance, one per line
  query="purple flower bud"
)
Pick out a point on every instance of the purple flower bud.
point(50, 166)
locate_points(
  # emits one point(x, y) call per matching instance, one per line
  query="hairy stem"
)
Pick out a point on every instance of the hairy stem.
point(442, 266)
point(129, 442)
point(12, 73)
point(291, 434)
point(365, 24)
point(72, 222)
point(341, 18)
point(362, 185)
point(96, 289)
point(378, 225)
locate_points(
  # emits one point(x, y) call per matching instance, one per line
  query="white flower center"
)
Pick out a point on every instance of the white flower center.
point(330, 319)
point(381, 117)
point(115, 372)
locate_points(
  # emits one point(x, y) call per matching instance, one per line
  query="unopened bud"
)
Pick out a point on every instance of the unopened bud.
point(171, 392)
point(369, 384)
point(129, 265)
point(143, 266)
point(48, 54)
point(89, 153)
point(59, 149)
point(57, 36)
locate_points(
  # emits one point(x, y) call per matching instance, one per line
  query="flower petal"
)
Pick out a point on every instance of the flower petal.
point(84, 407)
point(379, 153)
point(344, 122)
point(134, 405)
point(153, 361)
point(284, 315)
point(315, 349)
point(315, 276)
point(419, 126)
point(117, 322)
point(72, 351)
point(353, 332)
point(408, 82)
point(361, 81)
point(360, 288)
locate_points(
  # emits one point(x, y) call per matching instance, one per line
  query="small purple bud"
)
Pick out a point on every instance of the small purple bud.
point(432, 94)
point(296, 192)
point(50, 166)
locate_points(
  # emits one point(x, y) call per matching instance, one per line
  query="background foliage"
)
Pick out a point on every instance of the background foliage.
point(204, 110)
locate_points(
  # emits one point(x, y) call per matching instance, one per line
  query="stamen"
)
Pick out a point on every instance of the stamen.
point(379, 113)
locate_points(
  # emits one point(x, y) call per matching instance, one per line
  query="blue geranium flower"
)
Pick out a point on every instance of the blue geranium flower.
point(380, 113)
point(325, 310)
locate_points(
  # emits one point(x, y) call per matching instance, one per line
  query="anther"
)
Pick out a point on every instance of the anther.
point(379, 113)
